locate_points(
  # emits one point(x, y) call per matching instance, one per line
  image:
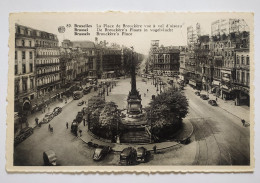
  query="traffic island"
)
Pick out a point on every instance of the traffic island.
point(185, 133)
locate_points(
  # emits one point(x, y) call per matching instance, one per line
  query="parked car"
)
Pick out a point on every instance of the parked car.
point(142, 154)
point(212, 102)
point(101, 152)
point(197, 93)
point(56, 111)
point(128, 156)
point(23, 134)
point(204, 97)
point(86, 90)
point(79, 117)
point(47, 118)
point(74, 127)
point(49, 158)
point(81, 103)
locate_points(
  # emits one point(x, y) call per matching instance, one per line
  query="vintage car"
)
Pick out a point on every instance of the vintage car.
point(23, 134)
point(128, 156)
point(86, 90)
point(204, 97)
point(101, 152)
point(74, 127)
point(49, 158)
point(79, 117)
point(142, 154)
point(212, 102)
point(48, 117)
point(81, 103)
point(197, 93)
point(56, 111)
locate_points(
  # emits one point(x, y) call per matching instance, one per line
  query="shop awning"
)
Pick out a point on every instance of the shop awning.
point(192, 82)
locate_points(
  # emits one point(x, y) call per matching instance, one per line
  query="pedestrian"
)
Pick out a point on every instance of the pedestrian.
point(80, 131)
point(48, 109)
point(36, 121)
point(67, 125)
point(216, 99)
point(84, 122)
point(147, 90)
point(49, 127)
point(243, 122)
point(154, 149)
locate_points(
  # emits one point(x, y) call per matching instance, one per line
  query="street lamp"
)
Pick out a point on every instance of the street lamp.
point(160, 87)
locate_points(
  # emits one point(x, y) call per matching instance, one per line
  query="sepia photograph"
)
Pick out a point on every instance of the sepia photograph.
point(134, 92)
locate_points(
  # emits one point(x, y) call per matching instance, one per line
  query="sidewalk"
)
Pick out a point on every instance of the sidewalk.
point(185, 133)
point(241, 112)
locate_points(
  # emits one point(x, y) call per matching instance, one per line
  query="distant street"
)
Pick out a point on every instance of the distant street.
point(218, 139)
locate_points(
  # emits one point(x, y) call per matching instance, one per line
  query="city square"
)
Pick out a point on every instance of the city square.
point(100, 103)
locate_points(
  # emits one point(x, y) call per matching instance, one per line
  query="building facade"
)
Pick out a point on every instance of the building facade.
point(85, 55)
point(220, 63)
point(24, 85)
point(47, 62)
point(165, 60)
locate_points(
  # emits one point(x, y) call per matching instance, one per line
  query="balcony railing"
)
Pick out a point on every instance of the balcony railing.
point(46, 56)
point(26, 47)
point(48, 84)
point(48, 73)
point(243, 67)
point(242, 83)
point(47, 64)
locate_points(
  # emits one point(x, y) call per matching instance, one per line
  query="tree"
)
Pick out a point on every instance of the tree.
point(167, 111)
point(105, 120)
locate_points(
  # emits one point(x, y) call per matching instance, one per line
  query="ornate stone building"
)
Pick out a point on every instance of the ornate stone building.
point(47, 63)
point(165, 60)
point(24, 68)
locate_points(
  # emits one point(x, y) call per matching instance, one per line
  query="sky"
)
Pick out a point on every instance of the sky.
point(141, 41)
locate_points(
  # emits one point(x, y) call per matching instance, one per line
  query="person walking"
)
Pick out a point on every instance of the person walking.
point(243, 122)
point(216, 99)
point(67, 125)
point(36, 121)
point(84, 122)
point(147, 90)
point(154, 149)
point(49, 128)
point(80, 131)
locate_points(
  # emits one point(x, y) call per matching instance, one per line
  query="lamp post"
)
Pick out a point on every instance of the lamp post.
point(160, 87)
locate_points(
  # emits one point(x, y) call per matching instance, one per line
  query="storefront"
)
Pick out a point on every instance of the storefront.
point(216, 87)
point(226, 93)
point(242, 95)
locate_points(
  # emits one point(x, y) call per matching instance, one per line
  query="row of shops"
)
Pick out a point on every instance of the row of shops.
point(238, 93)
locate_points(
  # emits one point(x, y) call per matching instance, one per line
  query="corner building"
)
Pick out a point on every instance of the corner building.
point(24, 68)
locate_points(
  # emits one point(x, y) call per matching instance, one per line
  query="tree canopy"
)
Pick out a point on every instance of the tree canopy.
point(167, 111)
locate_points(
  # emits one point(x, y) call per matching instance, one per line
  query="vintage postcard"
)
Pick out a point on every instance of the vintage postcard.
point(130, 92)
